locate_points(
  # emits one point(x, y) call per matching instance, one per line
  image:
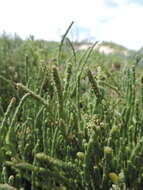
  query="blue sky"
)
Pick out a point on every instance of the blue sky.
point(119, 21)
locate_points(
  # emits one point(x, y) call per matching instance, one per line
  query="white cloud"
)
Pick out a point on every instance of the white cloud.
point(125, 28)
point(48, 19)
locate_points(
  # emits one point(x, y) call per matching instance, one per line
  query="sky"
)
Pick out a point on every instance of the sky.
point(119, 21)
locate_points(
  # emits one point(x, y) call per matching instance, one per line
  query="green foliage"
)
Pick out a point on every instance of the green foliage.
point(73, 121)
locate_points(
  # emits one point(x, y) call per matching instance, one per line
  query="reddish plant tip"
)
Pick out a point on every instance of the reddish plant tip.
point(13, 100)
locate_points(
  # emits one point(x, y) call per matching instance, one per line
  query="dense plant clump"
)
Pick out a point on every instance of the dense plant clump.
point(71, 122)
